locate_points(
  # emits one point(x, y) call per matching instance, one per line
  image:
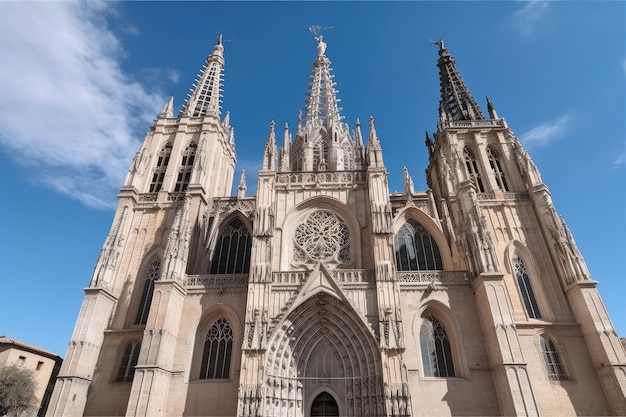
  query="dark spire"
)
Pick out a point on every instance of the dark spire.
point(456, 102)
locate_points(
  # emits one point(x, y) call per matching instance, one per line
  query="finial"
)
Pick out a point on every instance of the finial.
point(358, 122)
point(272, 124)
point(321, 45)
point(241, 189)
point(491, 109)
point(409, 188)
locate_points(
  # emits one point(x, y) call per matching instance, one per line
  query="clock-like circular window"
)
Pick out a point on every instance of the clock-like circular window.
point(322, 237)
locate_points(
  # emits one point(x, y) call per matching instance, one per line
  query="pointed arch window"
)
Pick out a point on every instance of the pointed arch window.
point(126, 369)
point(232, 252)
point(472, 169)
point(159, 172)
point(496, 167)
point(416, 250)
point(435, 346)
point(217, 352)
point(320, 155)
point(186, 166)
point(153, 272)
point(525, 288)
point(552, 359)
point(348, 156)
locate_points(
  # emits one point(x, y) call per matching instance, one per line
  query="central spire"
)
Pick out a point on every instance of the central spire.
point(321, 103)
point(204, 99)
point(456, 102)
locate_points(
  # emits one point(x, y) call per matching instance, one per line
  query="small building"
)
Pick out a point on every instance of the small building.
point(45, 364)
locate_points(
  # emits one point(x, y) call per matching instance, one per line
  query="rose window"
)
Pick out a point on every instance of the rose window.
point(322, 237)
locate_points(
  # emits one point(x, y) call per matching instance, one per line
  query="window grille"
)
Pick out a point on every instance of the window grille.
point(496, 167)
point(232, 252)
point(523, 283)
point(435, 346)
point(552, 359)
point(186, 166)
point(322, 237)
point(126, 370)
point(159, 172)
point(206, 93)
point(320, 153)
point(472, 169)
point(348, 156)
point(416, 250)
point(217, 352)
point(152, 274)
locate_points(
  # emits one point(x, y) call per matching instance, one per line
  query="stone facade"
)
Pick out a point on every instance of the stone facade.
point(325, 294)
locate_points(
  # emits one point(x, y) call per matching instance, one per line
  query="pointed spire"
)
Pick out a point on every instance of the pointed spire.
point(322, 102)
point(491, 109)
point(457, 103)
point(205, 95)
point(168, 109)
point(285, 150)
point(430, 145)
point(409, 188)
point(269, 155)
point(241, 189)
point(372, 139)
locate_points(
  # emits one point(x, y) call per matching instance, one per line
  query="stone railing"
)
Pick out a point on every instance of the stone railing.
point(472, 123)
point(353, 275)
point(503, 196)
point(290, 277)
point(216, 281)
point(438, 277)
point(334, 177)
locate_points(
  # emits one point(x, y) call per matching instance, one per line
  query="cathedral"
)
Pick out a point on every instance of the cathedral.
point(327, 295)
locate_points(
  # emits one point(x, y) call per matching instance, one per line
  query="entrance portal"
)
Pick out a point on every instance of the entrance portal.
point(324, 406)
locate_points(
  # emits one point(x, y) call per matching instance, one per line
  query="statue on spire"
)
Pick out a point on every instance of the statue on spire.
point(321, 45)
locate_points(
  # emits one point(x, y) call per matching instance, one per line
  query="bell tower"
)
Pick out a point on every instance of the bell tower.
point(528, 271)
point(183, 163)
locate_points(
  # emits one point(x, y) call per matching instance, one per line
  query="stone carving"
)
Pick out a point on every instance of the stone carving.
point(110, 253)
point(322, 237)
point(438, 277)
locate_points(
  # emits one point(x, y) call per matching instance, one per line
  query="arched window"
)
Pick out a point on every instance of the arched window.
point(232, 252)
point(472, 169)
point(435, 346)
point(416, 250)
point(161, 167)
point(217, 352)
point(186, 166)
point(552, 359)
point(348, 156)
point(526, 290)
point(152, 274)
point(320, 155)
point(126, 370)
point(496, 167)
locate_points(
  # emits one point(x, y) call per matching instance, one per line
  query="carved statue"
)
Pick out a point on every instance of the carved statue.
point(321, 45)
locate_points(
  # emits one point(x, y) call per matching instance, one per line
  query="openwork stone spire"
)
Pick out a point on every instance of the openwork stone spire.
point(456, 102)
point(204, 99)
point(321, 104)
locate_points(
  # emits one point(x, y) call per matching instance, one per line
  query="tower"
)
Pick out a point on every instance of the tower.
point(325, 294)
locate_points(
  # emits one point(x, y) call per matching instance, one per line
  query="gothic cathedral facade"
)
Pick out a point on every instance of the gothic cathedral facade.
point(327, 295)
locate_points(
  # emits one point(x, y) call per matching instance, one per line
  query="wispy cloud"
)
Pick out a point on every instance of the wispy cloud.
point(620, 159)
point(67, 110)
point(547, 132)
point(526, 19)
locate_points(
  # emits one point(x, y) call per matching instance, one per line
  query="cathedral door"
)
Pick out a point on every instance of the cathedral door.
point(324, 405)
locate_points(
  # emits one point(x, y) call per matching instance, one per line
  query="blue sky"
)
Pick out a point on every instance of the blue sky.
point(81, 83)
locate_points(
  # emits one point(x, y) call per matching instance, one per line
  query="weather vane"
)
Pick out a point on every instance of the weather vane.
point(317, 28)
point(439, 42)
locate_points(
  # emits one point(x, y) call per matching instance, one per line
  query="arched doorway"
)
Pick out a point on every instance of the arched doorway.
point(324, 405)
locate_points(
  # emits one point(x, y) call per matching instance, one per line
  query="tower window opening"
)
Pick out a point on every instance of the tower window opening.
point(552, 359)
point(525, 288)
point(435, 345)
point(496, 167)
point(186, 167)
point(159, 172)
point(217, 352)
point(152, 274)
point(320, 155)
point(126, 370)
point(472, 169)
